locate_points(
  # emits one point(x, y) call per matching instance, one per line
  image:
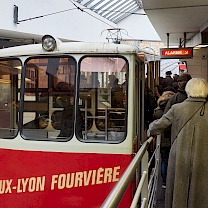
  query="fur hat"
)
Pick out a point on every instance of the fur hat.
point(165, 96)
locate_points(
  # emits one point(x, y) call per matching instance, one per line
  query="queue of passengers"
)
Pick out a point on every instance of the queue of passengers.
point(181, 118)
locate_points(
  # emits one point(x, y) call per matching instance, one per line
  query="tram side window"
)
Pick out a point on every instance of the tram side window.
point(10, 71)
point(102, 98)
point(48, 110)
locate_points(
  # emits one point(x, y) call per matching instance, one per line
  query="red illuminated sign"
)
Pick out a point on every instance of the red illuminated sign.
point(168, 53)
point(182, 67)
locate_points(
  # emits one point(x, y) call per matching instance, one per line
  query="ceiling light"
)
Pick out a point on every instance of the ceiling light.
point(201, 46)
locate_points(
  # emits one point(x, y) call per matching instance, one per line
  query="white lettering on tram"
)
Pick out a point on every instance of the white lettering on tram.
point(60, 181)
point(5, 186)
point(23, 185)
point(30, 184)
point(85, 178)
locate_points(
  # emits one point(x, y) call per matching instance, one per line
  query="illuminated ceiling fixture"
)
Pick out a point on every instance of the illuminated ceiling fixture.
point(201, 46)
point(197, 47)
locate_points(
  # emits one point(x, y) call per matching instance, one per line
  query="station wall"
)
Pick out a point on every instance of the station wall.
point(198, 65)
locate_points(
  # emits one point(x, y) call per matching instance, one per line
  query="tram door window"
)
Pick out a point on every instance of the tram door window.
point(102, 97)
point(48, 109)
point(10, 71)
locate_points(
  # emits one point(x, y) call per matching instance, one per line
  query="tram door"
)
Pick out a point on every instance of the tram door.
point(150, 75)
point(153, 74)
point(139, 108)
point(139, 96)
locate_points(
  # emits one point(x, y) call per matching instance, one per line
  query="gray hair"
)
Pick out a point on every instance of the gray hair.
point(197, 87)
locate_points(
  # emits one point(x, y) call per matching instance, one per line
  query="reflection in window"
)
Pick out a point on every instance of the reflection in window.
point(102, 97)
point(10, 71)
point(48, 111)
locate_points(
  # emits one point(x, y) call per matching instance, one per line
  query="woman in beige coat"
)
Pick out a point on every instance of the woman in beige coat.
point(187, 179)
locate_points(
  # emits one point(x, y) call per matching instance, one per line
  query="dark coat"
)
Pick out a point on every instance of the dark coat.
point(167, 81)
point(166, 135)
point(158, 113)
point(188, 167)
point(178, 97)
point(150, 103)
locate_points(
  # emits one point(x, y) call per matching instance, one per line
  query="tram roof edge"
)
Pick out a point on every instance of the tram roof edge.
point(70, 47)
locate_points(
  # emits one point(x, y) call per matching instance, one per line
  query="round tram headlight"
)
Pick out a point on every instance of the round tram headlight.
point(48, 43)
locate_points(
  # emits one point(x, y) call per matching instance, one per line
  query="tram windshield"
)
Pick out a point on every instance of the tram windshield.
point(55, 98)
point(48, 110)
point(102, 96)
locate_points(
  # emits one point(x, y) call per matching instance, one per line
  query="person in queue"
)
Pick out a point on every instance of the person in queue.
point(165, 136)
point(160, 86)
point(175, 82)
point(180, 95)
point(187, 167)
point(168, 80)
point(150, 103)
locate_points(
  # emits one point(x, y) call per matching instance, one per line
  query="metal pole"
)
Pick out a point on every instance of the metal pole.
point(144, 192)
point(185, 39)
point(168, 36)
point(180, 43)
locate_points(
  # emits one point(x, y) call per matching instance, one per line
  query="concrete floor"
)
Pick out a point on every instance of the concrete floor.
point(160, 194)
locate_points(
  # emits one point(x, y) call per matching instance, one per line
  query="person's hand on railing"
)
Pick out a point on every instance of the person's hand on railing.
point(148, 133)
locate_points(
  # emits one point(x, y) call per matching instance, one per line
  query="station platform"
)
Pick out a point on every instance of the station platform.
point(160, 202)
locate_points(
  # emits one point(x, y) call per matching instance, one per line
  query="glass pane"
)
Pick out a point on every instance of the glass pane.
point(102, 97)
point(10, 71)
point(48, 111)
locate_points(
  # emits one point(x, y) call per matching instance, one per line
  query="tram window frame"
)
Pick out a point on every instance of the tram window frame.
point(95, 138)
point(11, 99)
point(50, 79)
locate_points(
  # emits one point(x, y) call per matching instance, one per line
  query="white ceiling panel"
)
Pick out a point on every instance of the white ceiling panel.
point(176, 18)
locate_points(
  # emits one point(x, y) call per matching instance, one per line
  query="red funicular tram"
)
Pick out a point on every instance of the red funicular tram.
point(71, 119)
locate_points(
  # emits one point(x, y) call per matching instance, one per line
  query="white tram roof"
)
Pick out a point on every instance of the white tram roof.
point(73, 48)
point(69, 47)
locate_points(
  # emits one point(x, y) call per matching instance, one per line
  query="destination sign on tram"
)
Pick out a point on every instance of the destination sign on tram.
point(168, 53)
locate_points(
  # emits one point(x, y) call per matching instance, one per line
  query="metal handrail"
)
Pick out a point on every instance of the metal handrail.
point(153, 183)
point(153, 155)
point(138, 191)
point(119, 189)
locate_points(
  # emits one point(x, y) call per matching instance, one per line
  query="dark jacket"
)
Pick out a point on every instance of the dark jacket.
point(158, 113)
point(167, 81)
point(175, 85)
point(178, 97)
point(150, 104)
